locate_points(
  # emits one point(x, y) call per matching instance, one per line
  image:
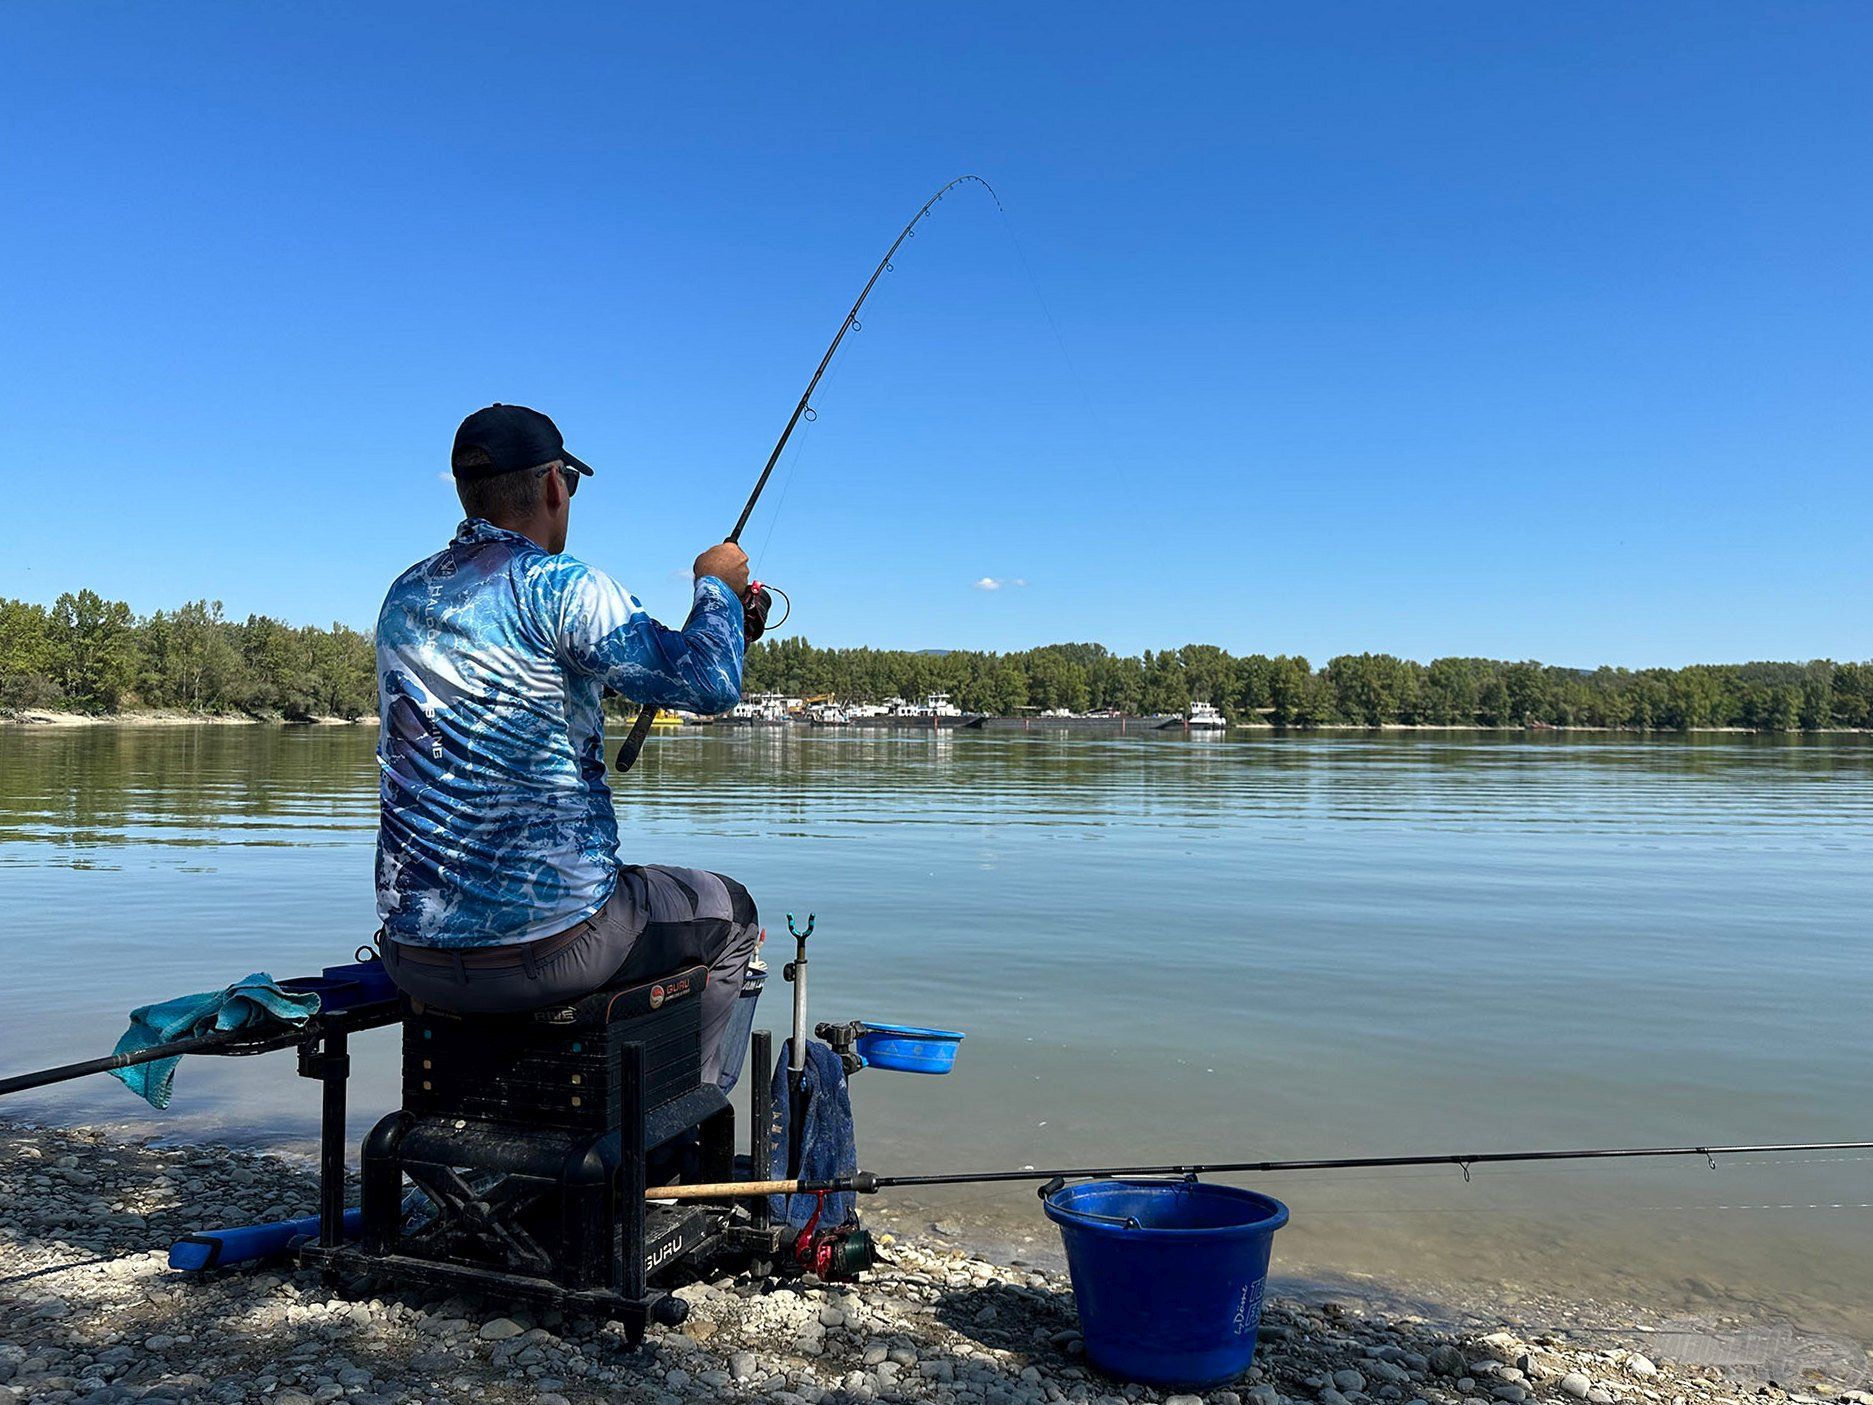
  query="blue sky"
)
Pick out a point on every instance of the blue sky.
point(1524, 331)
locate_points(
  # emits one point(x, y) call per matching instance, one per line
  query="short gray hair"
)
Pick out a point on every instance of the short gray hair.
point(501, 495)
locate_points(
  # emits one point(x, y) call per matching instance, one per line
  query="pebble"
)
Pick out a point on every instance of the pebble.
point(1446, 1360)
point(934, 1325)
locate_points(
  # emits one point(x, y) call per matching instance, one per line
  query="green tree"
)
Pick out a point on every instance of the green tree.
point(344, 671)
point(1449, 694)
point(191, 661)
point(1493, 705)
point(1853, 695)
point(93, 650)
point(25, 656)
point(1527, 690)
point(1295, 696)
point(1368, 689)
point(1054, 681)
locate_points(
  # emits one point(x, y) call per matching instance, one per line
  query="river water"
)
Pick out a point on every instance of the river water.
point(1162, 948)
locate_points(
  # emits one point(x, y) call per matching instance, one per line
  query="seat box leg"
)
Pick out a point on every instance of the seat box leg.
point(717, 1153)
point(381, 1176)
point(588, 1215)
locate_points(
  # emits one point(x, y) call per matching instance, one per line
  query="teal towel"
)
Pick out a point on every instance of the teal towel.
point(247, 1004)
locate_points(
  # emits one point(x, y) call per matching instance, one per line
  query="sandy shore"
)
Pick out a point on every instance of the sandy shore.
point(89, 1312)
point(159, 717)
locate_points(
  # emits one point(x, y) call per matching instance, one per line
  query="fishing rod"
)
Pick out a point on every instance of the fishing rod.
point(756, 601)
point(866, 1183)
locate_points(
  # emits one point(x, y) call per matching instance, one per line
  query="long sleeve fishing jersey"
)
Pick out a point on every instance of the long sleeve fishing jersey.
point(492, 659)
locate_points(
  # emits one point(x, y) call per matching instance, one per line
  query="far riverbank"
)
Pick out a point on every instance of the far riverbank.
point(1128, 726)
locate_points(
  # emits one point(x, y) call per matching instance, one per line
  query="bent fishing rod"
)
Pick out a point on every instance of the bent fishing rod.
point(756, 601)
point(866, 1183)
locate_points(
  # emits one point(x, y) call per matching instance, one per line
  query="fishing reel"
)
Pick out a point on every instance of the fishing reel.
point(833, 1254)
point(756, 603)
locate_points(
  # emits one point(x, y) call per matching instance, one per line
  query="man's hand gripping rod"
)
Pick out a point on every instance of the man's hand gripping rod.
point(756, 601)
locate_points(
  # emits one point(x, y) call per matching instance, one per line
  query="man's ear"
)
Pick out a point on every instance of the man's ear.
point(553, 491)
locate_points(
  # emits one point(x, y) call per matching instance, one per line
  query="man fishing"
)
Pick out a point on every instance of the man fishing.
point(498, 880)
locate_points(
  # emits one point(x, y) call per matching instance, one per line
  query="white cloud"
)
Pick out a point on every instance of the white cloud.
point(446, 477)
point(990, 583)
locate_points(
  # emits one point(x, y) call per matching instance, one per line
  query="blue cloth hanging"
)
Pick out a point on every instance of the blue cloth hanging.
point(831, 1145)
point(251, 1003)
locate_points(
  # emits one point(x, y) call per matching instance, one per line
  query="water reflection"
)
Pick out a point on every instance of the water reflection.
point(1162, 947)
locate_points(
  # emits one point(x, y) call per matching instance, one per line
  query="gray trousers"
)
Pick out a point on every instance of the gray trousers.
point(658, 920)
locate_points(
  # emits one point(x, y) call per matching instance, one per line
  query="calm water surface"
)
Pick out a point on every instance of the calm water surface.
point(1161, 948)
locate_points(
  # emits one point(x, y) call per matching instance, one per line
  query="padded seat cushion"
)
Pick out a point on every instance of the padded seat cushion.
point(622, 1002)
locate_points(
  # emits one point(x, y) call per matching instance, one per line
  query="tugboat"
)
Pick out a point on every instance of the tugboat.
point(1205, 717)
point(933, 706)
point(936, 710)
point(761, 710)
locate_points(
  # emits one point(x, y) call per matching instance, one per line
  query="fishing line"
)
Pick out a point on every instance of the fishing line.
point(786, 485)
point(1551, 1169)
point(633, 743)
point(1034, 286)
point(791, 469)
point(1468, 1210)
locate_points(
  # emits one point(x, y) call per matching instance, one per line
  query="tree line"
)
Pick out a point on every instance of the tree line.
point(1362, 690)
point(89, 654)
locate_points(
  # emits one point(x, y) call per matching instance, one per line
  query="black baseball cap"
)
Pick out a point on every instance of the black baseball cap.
point(513, 437)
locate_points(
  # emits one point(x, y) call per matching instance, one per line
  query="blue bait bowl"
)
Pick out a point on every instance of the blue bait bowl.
point(907, 1048)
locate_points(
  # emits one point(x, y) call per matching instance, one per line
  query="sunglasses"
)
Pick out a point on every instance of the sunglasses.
point(572, 477)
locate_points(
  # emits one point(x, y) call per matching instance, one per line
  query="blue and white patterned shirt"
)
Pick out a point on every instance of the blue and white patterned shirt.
point(492, 658)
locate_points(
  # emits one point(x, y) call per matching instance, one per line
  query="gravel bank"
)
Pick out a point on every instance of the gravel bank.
point(89, 1312)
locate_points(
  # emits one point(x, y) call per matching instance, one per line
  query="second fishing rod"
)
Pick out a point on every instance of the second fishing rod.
point(867, 1183)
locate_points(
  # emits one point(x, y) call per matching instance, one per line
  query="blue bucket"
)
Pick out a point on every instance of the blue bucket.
point(907, 1048)
point(1168, 1275)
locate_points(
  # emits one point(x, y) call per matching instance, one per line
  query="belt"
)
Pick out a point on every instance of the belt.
point(491, 958)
